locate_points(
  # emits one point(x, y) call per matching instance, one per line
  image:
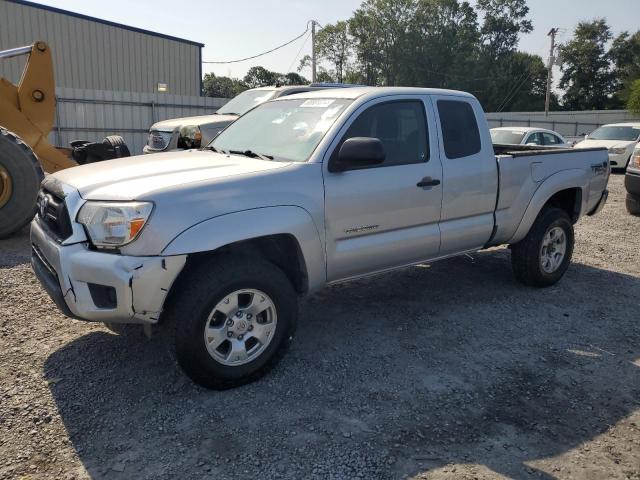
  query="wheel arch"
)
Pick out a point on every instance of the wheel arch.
point(564, 190)
point(286, 236)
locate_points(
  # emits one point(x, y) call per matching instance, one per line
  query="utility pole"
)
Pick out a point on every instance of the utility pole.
point(313, 51)
point(552, 34)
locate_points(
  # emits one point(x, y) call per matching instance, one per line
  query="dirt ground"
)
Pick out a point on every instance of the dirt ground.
point(447, 371)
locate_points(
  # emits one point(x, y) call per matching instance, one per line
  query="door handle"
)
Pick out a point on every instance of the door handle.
point(428, 182)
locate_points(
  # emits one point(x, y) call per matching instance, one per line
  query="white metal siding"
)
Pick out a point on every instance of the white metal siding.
point(91, 55)
point(94, 114)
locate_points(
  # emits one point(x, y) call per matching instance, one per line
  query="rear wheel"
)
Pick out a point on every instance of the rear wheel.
point(20, 177)
point(234, 317)
point(543, 256)
point(632, 203)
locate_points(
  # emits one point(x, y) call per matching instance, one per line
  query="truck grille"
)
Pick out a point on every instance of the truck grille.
point(158, 140)
point(52, 212)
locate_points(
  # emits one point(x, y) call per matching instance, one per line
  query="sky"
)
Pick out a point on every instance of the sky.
point(241, 28)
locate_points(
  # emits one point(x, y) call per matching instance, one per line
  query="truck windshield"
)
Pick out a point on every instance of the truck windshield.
point(287, 130)
point(629, 134)
point(507, 137)
point(246, 101)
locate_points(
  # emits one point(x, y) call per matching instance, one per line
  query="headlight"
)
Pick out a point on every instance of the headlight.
point(190, 137)
point(635, 159)
point(113, 224)
point(617, 151)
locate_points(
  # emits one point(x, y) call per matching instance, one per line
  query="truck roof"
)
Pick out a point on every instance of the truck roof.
point(356, 92)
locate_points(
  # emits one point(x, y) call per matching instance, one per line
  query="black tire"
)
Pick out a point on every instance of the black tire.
point(632, 203)
point(201, 289)
point(19, 162)
point(525, 255)
point(118, 144)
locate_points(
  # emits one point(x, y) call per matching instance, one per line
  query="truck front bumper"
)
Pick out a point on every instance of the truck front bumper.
point(102, 287)
point(632, 183)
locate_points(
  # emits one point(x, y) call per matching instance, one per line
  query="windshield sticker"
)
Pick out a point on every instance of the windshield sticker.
point(317, 103)
point(331, 112)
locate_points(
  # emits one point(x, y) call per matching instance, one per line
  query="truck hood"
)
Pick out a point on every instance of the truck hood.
point(200, 120)
point(604, 143)
point(137, 178)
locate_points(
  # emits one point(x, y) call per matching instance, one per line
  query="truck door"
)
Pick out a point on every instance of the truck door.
point(385, 215)
point(470, 178)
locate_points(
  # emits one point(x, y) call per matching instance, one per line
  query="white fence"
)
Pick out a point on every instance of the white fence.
point(94, 114)
point(568, 124)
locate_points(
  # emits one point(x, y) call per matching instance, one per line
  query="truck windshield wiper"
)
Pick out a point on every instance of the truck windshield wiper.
point(251, 154)
point(213, 149)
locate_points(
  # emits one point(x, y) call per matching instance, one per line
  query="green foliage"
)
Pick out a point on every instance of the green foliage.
point(222, 87)
point(334, 46)
point(463, 46)
point(260, 77)
point(633, 102)
point(504, 20)
point(225, 87)
point(625, 54)
point(587, 78)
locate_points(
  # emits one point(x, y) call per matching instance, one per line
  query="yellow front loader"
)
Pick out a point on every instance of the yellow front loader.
point(27, 112)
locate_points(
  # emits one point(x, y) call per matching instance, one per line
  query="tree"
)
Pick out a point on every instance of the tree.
point(633, 103)
point(293, 78)
point(260, 77)
point(333, 45)
point(444, 35)
point(504, 21)
point(222, 87)
point(587, 78)
point(625, 54)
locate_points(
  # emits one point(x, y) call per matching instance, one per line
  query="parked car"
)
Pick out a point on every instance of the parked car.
point(619, 138)
point(528, 136)
point(632, 183)
point(191, 132)
point(302, 191)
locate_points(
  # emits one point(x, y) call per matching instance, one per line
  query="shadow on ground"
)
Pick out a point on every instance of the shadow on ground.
point(389, 376)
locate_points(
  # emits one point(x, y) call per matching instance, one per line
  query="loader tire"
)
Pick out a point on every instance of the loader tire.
point(20, 178)
point(118, 144)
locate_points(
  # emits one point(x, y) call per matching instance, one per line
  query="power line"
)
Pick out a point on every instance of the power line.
point(516, 91)
point(298, 54)
point(263, 53)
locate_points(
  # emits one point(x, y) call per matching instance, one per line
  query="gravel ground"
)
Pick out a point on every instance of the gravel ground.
point(445, 371)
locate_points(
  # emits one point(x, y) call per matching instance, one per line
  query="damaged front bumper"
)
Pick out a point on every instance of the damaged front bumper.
point(102, 287)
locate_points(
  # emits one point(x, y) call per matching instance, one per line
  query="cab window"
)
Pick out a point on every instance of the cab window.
point(460, 133)
point(400, 126)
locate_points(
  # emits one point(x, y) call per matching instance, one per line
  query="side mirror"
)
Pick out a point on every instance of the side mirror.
point(358, 152)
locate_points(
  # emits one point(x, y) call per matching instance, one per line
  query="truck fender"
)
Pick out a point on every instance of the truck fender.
point(217, 232)
point(565, 179)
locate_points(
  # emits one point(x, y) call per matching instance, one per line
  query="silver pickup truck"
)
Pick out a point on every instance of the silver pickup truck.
point(300, 192)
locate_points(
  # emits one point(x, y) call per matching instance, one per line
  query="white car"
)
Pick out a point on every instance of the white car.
point(619, 138)
point(528, 136)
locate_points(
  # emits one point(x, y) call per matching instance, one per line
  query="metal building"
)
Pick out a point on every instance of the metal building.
point(94, 54)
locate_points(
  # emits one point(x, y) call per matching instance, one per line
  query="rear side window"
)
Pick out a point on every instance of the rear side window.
point(550, 139)
point(400, 126)
point(460, 133)
point(535, 138)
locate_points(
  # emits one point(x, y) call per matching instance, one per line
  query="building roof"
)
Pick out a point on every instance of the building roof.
point(104, 22)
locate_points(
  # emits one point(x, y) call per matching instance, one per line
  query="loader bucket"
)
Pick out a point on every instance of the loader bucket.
point(28, 109)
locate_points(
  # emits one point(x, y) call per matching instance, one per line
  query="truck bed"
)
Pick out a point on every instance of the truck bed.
point(523, 169)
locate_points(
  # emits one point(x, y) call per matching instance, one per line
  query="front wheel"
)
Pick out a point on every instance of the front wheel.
point(234, 319)
point(543, 256)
